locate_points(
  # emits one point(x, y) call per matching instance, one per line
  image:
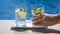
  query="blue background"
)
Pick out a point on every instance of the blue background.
point(7, 7)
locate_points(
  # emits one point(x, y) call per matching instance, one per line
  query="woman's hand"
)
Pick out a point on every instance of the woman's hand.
point(45, 20)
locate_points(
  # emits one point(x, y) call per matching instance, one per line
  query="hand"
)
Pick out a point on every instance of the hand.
point(45, 20)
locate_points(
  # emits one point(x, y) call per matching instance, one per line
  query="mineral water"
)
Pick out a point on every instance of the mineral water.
point(20, 17)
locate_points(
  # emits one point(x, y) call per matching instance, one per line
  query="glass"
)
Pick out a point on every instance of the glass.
point(37, 9)
point(20, 14)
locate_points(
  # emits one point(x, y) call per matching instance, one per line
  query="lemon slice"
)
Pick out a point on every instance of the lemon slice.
point(23, 14)
point(17, 11)
point(34, 10)
point(20, 12)
point(37, 11)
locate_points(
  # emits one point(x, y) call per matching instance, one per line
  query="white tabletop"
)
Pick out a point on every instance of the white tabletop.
point(5, 26)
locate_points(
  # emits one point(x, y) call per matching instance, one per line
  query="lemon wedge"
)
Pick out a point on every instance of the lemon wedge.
point(37, 11)
point(20, 12)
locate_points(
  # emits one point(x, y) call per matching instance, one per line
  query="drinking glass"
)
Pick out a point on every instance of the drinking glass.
point(37, 10)
point(20, 14)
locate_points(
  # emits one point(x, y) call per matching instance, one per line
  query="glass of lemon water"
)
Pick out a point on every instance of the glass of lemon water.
point(20, 14)
point(37, 10)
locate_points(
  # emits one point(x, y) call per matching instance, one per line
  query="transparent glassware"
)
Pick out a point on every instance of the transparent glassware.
point(20, 14)
point(20, 17)
point(37, 9)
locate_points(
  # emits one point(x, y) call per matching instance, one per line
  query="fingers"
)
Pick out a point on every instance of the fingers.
point(39, 24)
point(37, 17)
point(36, 21)
point(42, 20)
point(39, 21)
